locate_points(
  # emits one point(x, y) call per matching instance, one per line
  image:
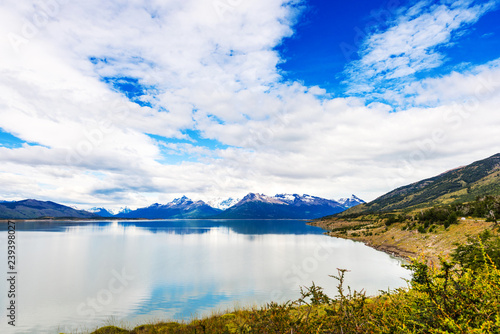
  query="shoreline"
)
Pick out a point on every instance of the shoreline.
point(90, 220)
point(390, 249)
point(405, 244)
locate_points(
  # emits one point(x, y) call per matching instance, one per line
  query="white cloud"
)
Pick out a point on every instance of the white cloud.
point(216, 73)
point(412, 44)
point(478, 83)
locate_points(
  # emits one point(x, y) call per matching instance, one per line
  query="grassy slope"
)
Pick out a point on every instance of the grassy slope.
point(462, 184)
point(405, 243)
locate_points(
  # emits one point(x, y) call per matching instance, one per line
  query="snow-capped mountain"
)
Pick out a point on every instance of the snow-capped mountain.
point(223, 203)
point(101, 212)
point(183, 201)
point(294, 199)
point(351, 201)
point(123, 210)
point(282, 206)
point(252, 206)
point(179, 208)
point(256, 197)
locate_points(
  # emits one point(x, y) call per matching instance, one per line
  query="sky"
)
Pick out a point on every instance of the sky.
point(128, 103)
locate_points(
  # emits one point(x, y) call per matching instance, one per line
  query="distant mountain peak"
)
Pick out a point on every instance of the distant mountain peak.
point(349, 202)
point(182, 207)
point(288, 198)
point(183, 199)
point(124, 210)
point(260, 198)
point(222, 203)
point(101, 212)
point(281, 206)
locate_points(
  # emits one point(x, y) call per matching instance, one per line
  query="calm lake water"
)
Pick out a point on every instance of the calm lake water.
point(73, 277)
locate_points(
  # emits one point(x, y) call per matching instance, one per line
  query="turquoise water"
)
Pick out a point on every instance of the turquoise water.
point(73, 277)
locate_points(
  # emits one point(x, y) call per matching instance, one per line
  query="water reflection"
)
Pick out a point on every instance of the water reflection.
point(178, 226)
point(80, 274)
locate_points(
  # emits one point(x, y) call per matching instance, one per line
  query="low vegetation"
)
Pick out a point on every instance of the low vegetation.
point(461, 295)
point(432, 231)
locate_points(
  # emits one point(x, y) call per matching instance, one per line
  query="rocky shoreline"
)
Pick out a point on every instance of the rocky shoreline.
point(390, 249)
point(401, 243)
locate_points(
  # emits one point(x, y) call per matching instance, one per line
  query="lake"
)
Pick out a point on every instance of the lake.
point(74, 276)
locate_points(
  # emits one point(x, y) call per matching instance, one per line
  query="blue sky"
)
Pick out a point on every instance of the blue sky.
point(325, 40)
point(136, 103)
point(331, 34)
point(9, 140)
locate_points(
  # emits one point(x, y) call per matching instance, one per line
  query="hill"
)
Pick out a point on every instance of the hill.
point(463, 184)
point(427, 217)
point(33, 209)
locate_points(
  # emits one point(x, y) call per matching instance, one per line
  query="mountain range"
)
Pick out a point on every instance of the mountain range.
point(33, 209)
point(179, 208)
point(252, 206)
point(462, 184)
point(259, 206)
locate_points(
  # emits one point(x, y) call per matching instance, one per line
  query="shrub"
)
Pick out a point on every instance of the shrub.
point(485, 248)
point(453, 299)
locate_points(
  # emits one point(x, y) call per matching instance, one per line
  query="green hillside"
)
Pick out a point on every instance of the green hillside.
point(459, 185)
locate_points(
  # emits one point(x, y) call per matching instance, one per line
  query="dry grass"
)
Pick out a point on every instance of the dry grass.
point(406, 243)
